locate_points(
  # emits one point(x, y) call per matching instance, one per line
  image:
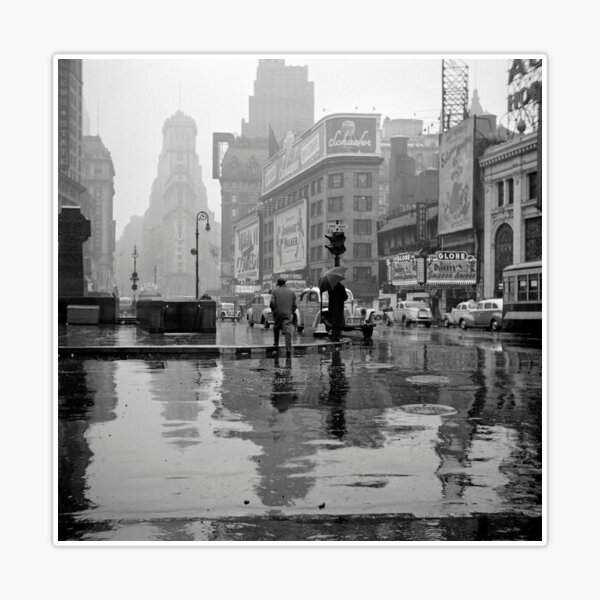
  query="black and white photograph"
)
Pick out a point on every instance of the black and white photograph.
point(299, 299)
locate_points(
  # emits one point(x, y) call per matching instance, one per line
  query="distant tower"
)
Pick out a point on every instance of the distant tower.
point(476, 108)
point(177, 194)
point(283, 99)
point(455, 93)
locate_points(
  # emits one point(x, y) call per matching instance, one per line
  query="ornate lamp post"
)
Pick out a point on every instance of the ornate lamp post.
point(201, 216)
point(134, 276)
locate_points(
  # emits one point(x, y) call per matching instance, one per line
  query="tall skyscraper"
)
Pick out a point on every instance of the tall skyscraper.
point(283, 101)
point(283, 98)
point(70, 82)
point(178, 194)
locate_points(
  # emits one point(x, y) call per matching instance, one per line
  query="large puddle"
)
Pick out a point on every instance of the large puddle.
point(149, 441)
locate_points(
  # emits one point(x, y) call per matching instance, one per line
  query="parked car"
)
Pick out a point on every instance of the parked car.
point(456, 315)
point(408, 312)
point(228, 308)
point(308, 313)
point(260, 312)
point(486, 315)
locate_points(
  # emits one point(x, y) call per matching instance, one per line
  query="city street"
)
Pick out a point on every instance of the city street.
point(425, 434)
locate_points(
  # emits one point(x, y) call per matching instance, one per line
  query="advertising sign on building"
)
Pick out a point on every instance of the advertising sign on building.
point(421, 221)
point(332, 135)
point(403, 270)
point(451, 268)
point(289, 225)
point(246, 249)
point(457, 151)
point(296, 156)
point(351, 134)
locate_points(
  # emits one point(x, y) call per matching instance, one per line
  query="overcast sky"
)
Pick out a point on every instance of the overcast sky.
point(129, 98)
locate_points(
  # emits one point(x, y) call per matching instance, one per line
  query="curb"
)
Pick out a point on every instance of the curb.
point(227, 352)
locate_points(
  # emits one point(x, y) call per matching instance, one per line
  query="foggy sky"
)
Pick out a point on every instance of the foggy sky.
point(128, 99)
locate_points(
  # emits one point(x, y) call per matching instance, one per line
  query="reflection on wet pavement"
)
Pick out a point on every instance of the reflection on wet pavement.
point(182, 449)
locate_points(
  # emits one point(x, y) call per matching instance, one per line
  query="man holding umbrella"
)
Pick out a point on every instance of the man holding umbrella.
point(331, 281)
point(283, 305)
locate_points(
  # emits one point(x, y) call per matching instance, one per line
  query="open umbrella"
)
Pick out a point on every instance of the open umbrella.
point(331, 278)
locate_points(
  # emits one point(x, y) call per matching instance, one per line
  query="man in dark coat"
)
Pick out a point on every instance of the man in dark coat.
point(337, 297)
point(283, 305)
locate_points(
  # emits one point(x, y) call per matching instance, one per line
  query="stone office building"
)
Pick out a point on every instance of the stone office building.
point(98, 177)
point(328, 176)
point(512, 217)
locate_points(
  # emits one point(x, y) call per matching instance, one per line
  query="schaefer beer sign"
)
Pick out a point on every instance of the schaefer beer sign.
point(247, 238)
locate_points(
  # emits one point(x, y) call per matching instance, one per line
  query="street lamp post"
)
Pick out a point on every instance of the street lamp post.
point(201, 216)
point(134, 276)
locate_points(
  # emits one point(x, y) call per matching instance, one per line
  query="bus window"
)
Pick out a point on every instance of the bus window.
point(522, 291)
point(533, 287)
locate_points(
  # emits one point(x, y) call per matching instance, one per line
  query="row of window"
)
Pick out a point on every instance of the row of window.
point(523, 288)
point(334, 181)
point(505, 190)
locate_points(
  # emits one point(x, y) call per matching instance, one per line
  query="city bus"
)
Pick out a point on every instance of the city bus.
point(522, 298)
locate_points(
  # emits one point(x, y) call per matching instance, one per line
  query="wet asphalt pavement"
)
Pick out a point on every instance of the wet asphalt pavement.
point(423, 435)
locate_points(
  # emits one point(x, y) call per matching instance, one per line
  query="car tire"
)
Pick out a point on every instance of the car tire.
point(251, 323)
point(463, 324)
point(494, 325)
point(446, 323)
point(428, 325)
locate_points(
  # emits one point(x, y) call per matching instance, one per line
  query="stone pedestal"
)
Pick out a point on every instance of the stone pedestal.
point(73, 230)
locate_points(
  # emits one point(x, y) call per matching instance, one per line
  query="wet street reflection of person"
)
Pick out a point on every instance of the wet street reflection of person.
point(336, 398)
point(283, 395)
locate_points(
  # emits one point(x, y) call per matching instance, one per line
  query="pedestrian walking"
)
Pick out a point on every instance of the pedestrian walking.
point(283, 305)
point(337, 297)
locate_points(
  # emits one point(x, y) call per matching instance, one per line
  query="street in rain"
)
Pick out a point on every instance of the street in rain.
point(293, 309)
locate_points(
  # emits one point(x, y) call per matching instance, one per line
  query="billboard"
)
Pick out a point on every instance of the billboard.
point(452, 268)
point(351, 134)
point(403, 270)
point(346, 133)
point(247, 249)
point(295, 157)
point(456, 176)
point(289, 226)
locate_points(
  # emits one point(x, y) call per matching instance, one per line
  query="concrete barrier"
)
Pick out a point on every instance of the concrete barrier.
point(177, 316)
point(108, 307)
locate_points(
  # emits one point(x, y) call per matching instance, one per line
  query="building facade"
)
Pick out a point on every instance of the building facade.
point(326, 178)
point(98, 178)
point(240, 178)
point(169, 231)
point(70, 105)
point(512, 217)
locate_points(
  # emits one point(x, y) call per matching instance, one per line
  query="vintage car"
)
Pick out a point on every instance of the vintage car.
point(260, 312)
point(454, 317)
point(228, 308)
point(308, 313)
point(408, 312)
point(486, 315)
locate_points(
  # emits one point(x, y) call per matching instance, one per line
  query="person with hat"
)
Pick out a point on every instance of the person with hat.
point(283, 305)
